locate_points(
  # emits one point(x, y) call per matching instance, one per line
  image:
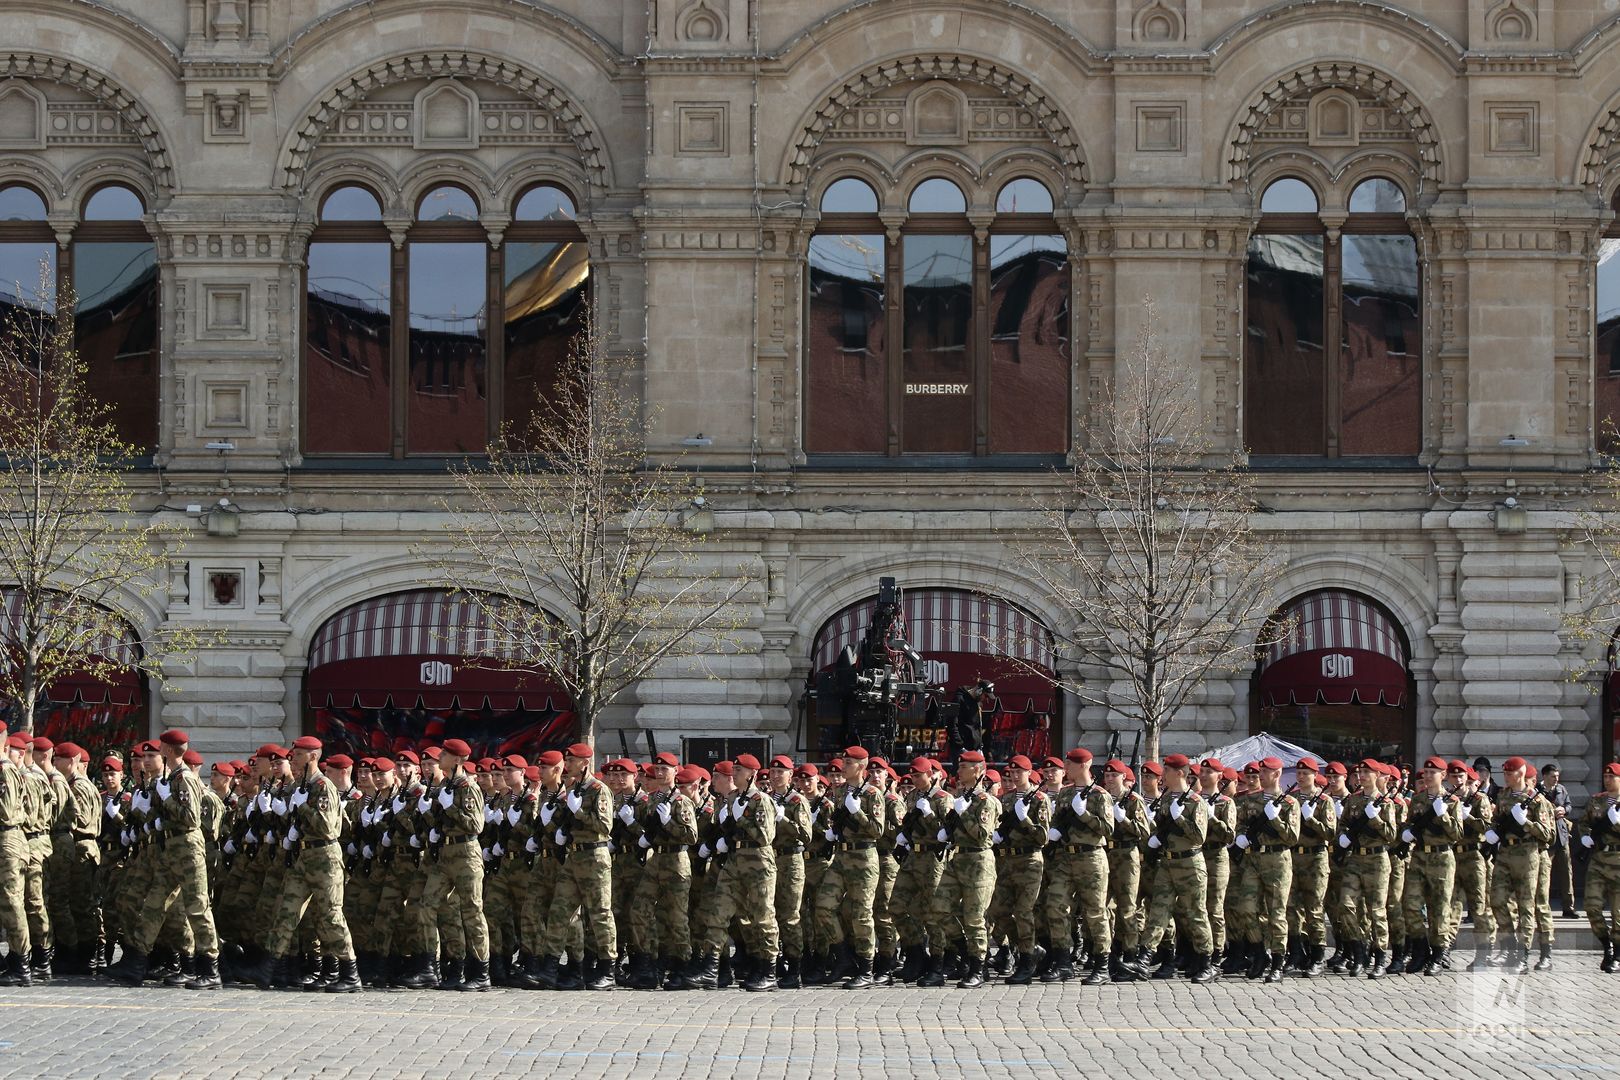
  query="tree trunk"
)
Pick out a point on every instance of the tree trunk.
point(1150, 740)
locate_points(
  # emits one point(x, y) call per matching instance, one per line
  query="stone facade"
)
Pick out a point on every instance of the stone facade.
point(698, 136)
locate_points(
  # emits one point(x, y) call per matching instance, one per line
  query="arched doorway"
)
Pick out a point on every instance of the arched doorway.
point(1609, 740)
point(101, 706)
point(405, 670)
point(962, 637)
point(1338, 682)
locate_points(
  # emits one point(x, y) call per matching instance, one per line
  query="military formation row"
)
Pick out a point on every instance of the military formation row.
point(437, 871)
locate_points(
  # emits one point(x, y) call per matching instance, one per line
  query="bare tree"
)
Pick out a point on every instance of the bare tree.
point(72, 545)
point(1593, 532)
point(587, 560)
point(1149, 540)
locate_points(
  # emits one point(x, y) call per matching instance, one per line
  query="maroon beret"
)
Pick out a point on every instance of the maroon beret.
point(1271, 763)
point(408, 755)
point(1176, 761)
point(781, 761)
point(857, 753)
point(1153, 767)
point(580, 750)
point(457, 747)
point(192, 758)
point(1079, 755)
point(42, 743)
point(748, 761)
point(514, 761)
point(1019, 761)
point(340, 761)
point(667, 758)
point(807, 769)
point(306, 742)
point(971, 757)
point(1516, 763)
point(722, 768)
point(549, 758)
point(174, 737)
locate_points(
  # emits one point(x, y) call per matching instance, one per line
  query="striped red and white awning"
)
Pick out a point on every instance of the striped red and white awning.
point(1340, 648)
point(111, 639)
point(429, 647)
point(945, 621)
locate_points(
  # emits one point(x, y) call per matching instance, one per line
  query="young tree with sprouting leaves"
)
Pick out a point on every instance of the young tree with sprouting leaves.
point(1148, 538)
point(73, 546)
point(586, 560)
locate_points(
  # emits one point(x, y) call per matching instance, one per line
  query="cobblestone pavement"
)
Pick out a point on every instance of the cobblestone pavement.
point(1561, 1023)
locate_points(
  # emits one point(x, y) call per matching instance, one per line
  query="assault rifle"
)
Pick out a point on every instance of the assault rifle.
point(1356, 828)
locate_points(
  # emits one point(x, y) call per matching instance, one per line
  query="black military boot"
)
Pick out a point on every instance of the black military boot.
point(1061, 968)
point(789, 978)
point(1292, 959)
point(973, 973)
point(1397, 960)
point(1274, 971)
point(844, 963)
point(1417, 955)
point(916, 963)
point(416, 973)
point(1005, 960)
point(477, 975)
point(450, 977)
point(207, 976)
point(1545, 963)
point(254, 969)
point(1023, 972)
point(1097, 973)
point(1314, 963)
point(347, 980)
point(1439, 960)
point(935, 975)
point(39, 963)
point(762, 979)
point(1482, 955)
point(1340, 961)
point(675, 974)
point(1238, 955)
point(861, 977)
point(600, 974)
point(1203, 969)
point(17, 973)
point(187, 971)
point(1502, 955)
point(1166, 959)
point(129, 971)
point(522, 973)
point(1118, 969)
point(883, 969)
point(1519, 962)
point(1375, 964)
point(705, 973)
point(723, 972)
point(1609, 960)
point(1259, 961)
point(326, 975)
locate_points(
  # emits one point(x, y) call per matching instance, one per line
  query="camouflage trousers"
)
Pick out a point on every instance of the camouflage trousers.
point(1473, 885)
point(238, 896)
point(626, 873)
point(966, 884)
point(1078, 890)
point(272, 871)
point(882, 909)
point(660, 918)
point(70, 881)
point(1013, 904)
point(453, 891)
point(1124, 894)
point(361, 890)
point(815, 872)
point(1336, 912)
point(1603, 888)
point(180, 877)
point(1218, 872)
point(135, 883)
point(1544, 923)
point(1265, 882)
point(1307, 903)
point(388, 917)
point(1426, 905)
point(584, 893)
point(1180, 892)
point(913, 896)
point(1365, 881)
point(1513, 890)
point(500, 906)
point(844, 902)
point(13, 874)
point(314, 881)
point(744, 889)
point(790, 902)
point(39, 918)
point(538, 885)
point(1395, 913)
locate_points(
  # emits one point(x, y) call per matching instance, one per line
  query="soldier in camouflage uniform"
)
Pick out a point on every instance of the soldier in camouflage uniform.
point(533, 838)
point(1217, 845)
point(1267, 831)
point(1432, 829)
point(14, 858)
point(968, 878)
point(584, 889)
point(914, 887)
point(1131, 829)
point(621, 777)
point(844, 901)
point(1026, 814)
point(818, 853)
point(666, 828)
point(1367, 827)
point(1599, 838)
point(1400, 858)
point(1082, 826)
point(1318, 825)
point(888, 940)
point(76, 853)
point(745, 885)
point(793, 832)
point(453, 884)
point(1472, 883)
point(58, 847)
point(1180, 881)
point(39, 798)
point(1520, 827)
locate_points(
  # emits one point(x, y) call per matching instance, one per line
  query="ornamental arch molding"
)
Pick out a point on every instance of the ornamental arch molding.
point(1325, 75)
point(308, 133)
point(137, 120)
point(820, 121)
point(1398, 586)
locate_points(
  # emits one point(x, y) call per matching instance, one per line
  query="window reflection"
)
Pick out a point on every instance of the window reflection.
point(1288, 196)
point(115, 330)
point(1380, 396)
point(1024, 196)
point(351, 204)
point(544, 203)
point(346, 350)
point(447, 204)
point(18, 203)
point(1284, 384)
point(1606, 357)
point(937, 414)
point(115, 203)
point(448, 410)
point(849, 196)
point(547, 299)
point(847, 377)
point(28, 277)
point(1029, 344)
point(1377, 196)
point(937, 196)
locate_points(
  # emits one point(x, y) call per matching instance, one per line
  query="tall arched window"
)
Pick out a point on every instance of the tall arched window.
point(1606, 340)
point(1334, 343)
point(112, 267)
point(426, 349)
point(973, 361)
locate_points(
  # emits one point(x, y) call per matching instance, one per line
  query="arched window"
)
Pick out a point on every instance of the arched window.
point(1606, 340)
point(1334, 343)
point(400, 356)
point(931, 375)
point(112, 267)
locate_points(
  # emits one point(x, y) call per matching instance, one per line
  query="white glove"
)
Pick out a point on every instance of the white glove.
point(1518, 814)
point(280, 807)
point(1438, 806)
point(703, 851)
point(1614, 813)
point(1153, 842)
point(925, 806)
point(349, 849)
point(300, 797)
point(530, 846)
point(490, 814)
point(1491, 837)
point(263, 802)
point(1344, 840)
point(559, 837)
point(1119, 813)
point(781, 811)
point(1242, 842)
point(901, 840)
point(126, 838)
point(1371, 810)
point(574, 801)
point(738, 805)
point(613, 846)
point(157, 826)
point(721, 846)
point(1175, 810)
point(512, 816)
point(497, 850)
point(1465, 811)
point(1272, 811)
point(547, 812)
point(960, 803)
point(1053, 835)
point(996, 837)
point(851, 803)
point(286, 843)
point(368, 852)
point(447, 798)
point(366, 819)
point(399, 803)
point(293, 833)
point(1407, 837)
point(252, 837)
point(416, 842)
point(832, 838)
point(664, 812)
point(422, 804)
point(388, 840)
point(484, 851)
point(940, 836)
point(1079, 804)
point(1586, 841)
point(1338, 806)
point(114, 811)
point(626, 814)
point(162, 788)
point(230, 846)
point(138, 802)
point(1020, 810)
point(641, 842)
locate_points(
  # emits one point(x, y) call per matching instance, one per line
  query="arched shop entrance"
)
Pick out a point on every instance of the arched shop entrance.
point(405, 670)
point(101, 709)
point(1338, 682)
point(962, 637)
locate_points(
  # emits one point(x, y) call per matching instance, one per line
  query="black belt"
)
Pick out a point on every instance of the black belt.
point(1514, 841)
point(1011, 851)
point(1272, 849)
point(1373, 850)
point(1309, 849)
point(791, 849)
point(305, 845)
point(1074, 848)
point(589, 846)
point(1607, 849)
point(1430, 849)
point(855, 845)
point(739, 846)
point(460, 839)
point(667, 849)
point(1184, 854)
point(33, 835)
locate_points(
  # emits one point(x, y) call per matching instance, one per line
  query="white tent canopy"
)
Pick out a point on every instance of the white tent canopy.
point(1238, 754)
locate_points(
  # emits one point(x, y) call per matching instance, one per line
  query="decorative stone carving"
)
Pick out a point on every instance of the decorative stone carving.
point(702, 128)
point(112, 117)
point(1159, 23)
point(1160, 128)
point(700, 23)
point(22, 116)
point(1512, 127)
point(1511, 22)
point(936, 115)
point(1335, 119)
point(445, 117)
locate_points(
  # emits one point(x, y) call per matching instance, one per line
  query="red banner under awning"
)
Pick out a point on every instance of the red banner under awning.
point(118, 688)
point(430, 682)
point(1333, 677)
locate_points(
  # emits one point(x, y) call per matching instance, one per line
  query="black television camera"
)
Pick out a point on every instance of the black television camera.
point(876, 684)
